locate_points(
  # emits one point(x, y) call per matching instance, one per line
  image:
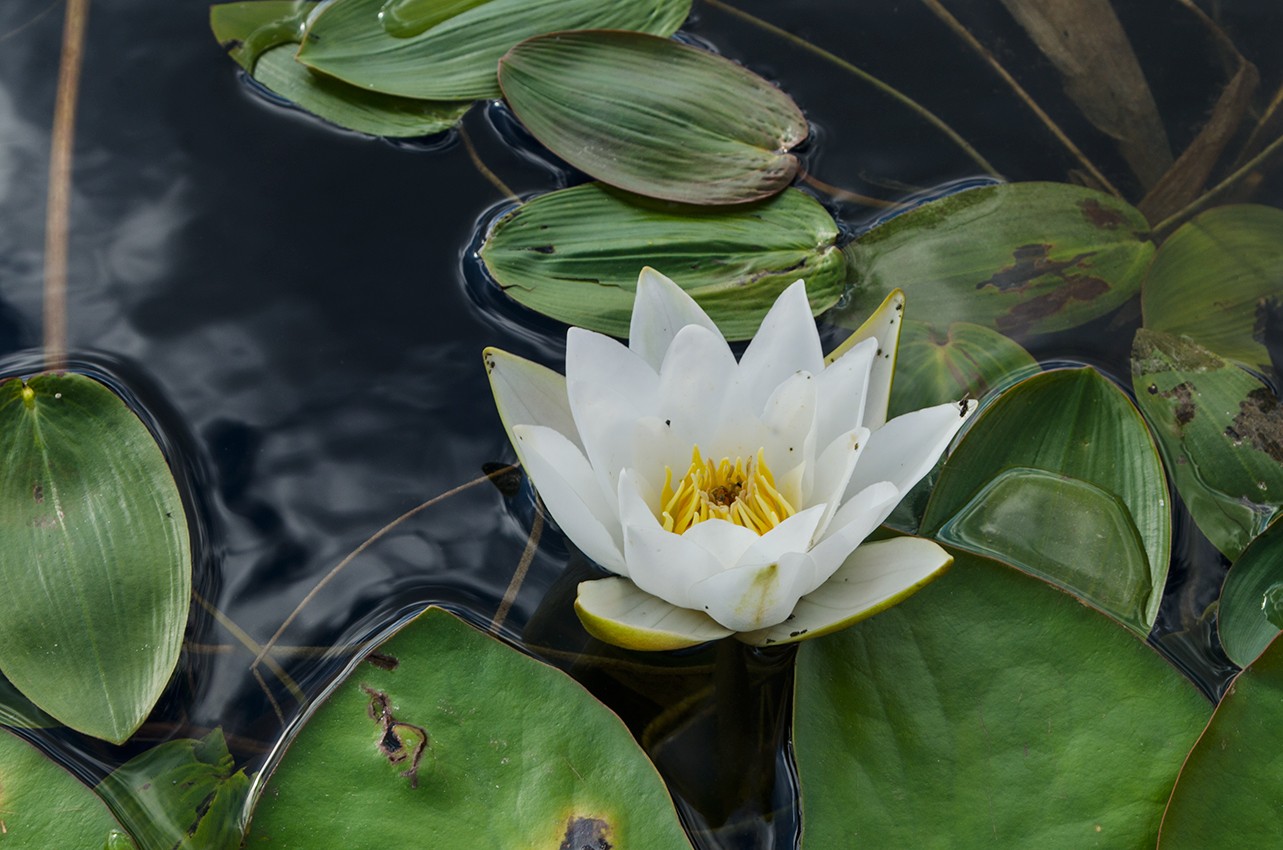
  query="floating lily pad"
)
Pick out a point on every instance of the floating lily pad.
point(1218, 279)
point(1228, 792)
point(263, 37)
point(575, 255)
point(1018, 258)
point(988, 710)
point(181, 794)
point(703, 130)
point(94, 555)
point(1059, 476)
point(464, 743)
point(969, 363)
point(1250, 615)
point(42, 806)
point(1221, 431)
point(451, 51)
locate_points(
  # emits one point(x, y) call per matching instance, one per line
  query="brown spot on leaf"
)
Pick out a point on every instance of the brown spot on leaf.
point(1075, 288)
point(587, 834)
point(37, 493)
point(1100, 216)
point(392, 740)
point(1260, 422)
point(1032, 262)
point(1185, 406)
point(383, 662)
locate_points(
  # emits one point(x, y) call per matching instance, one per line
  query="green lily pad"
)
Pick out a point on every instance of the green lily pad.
point(181, 795)
point(1248, 615)
point(263, 36)
point(1060, 477)
point(988, 710)
point(703, 130)
point(1018, 258)
point(42, 806)
point(451, 51)
point(1228, 791)
point(94, 555)
point(575, 255)
point(970, 362)
point(1220, 431)
point(1213, 280)
point(465, 743)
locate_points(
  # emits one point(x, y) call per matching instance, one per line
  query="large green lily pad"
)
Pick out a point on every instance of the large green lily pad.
point(575, 255)
point(1216, 278)
point(970, 362)
point(1060, 477)
point(1250, 613)
point(466, 743)
point(703, 130)
point(1221, 432)
point(263, 36)
point(451, 50)
point(1018, 258)
point(988, 710)
point(94, 555)
point(1229, 790)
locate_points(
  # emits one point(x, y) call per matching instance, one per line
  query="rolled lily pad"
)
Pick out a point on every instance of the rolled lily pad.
point(1221, 432)
point(1248, 616)
point(263, 37)
point(1060, 477)
point(969, 363)
point(703, 130)
point(1229, 788)
point(1018, 258)
point(94, 555)
point(464, 743)
point(1217, 279)
point(988, 710)
point(42, 806)
point(181, 794)
point(575, 255)
point(451, 51)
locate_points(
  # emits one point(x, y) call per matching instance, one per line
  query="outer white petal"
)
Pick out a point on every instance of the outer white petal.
point(571, 493)
point(693, 381)
point(853, 522)
point(789, 414)
point(792, 535)
point(529, 394)
point(661, 308)
point(833, 471)
point(722, 539)
point(873, 578)
point(787, 342)
point(905, 449)
point(841, 393)
point(749, 598)
point(597, 359)
point(606, 422)
point(884, 326)
point(617, 611)
point(659, 562)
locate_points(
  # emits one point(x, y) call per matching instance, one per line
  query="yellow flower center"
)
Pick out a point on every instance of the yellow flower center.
point(741, 493)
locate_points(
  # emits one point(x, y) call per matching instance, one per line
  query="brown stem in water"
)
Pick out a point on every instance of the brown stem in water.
point(532, 546)
point(1173, 221)
point(844, 195)
point(481, 166)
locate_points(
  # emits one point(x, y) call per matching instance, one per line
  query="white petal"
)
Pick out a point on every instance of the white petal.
point(661, 308)
point(529, 394)
point(833, 471)
point(637, 502)
point(789, 414)
point(787, 342)
point(617, 611)
point(884, 326)
point(659, 562)
point(792, 535)
point(597, 359)
point(655, 447)
point(907, 447)
point(853, 522)
point(722, 539)
point(873, 578)
point(841, 393)
point(606, 421)
point(571, 493)
point(693, 381)
point(749, 598)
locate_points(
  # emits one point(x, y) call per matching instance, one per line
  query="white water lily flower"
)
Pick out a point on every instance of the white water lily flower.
point(729, 498)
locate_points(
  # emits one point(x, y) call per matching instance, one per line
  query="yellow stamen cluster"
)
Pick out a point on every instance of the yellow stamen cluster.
point(741, 493)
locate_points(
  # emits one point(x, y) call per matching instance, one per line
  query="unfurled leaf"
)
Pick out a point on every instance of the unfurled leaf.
point(1059, 476)
point(702, 130)
point(970, 362)
point(575, 255)
point(1018, 258)
point(94, 555)
point(451, 51)
point(988, 710)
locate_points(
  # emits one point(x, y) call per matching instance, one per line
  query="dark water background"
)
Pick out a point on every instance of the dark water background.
point(295, 310)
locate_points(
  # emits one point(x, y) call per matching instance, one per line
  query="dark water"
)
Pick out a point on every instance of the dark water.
point(294, 309)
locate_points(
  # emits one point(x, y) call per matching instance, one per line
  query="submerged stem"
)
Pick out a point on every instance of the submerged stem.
point(481, 166)
point(1176, 219)
point(528, 555)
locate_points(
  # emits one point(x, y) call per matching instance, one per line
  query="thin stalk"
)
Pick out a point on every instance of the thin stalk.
point(532, 546)
point(31, 22)
point(481, 166)
point(58, 207)
point(954, 24)
point(893, 93)
point(252, 645)
point(1179, 217)
point(844, 195)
